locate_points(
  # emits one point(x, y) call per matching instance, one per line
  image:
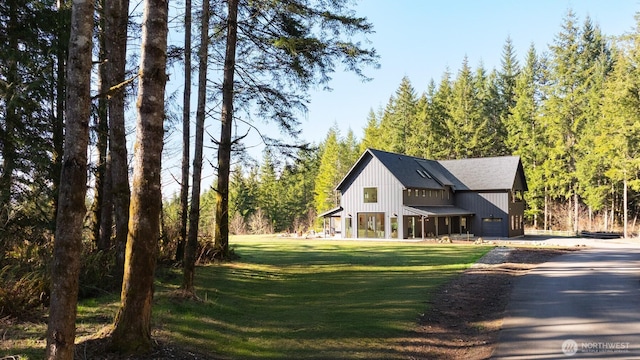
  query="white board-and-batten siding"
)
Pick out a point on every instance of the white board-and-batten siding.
point(372, 174)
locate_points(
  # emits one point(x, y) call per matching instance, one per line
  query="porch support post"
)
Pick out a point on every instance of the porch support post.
point(423, 220)
point(436, 221)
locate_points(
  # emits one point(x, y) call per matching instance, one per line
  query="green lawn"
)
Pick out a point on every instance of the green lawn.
point(301, 299)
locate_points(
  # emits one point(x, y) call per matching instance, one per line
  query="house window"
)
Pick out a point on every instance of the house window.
point(408, 192)
point(371, 195)
point(371, 225)
point(394, 227)
point(424, 193)
point(349, 227)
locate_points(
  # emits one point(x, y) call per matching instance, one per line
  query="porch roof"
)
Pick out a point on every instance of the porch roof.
point(434, 211)
point(332, 212)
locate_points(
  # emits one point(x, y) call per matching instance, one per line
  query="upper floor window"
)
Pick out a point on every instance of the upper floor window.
point(370, 195)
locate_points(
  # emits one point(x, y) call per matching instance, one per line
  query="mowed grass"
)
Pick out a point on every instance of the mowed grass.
point(302, 299)
point(308, 299)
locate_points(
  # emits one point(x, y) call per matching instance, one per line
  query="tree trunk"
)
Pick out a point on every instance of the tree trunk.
point(194, 213)
point(132, 328)
point(101, 199)
point(60, 93)
point(7, 136)
point(576, 212)
point(224, 149)
point(68, 237)
point(186, 133)
point(117, 19)
point(546, 209)
point(625, 216)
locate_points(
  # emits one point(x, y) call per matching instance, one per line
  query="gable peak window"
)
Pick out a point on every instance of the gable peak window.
point(370, 195)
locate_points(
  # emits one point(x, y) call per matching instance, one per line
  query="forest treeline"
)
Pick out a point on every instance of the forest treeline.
point(79, 215)
point(571, 112)
point(81, 207)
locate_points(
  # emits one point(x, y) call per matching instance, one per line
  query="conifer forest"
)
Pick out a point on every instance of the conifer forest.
point(84, 114)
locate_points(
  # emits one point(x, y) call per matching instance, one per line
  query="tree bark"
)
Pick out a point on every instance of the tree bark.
point(194, 212)
point(132, 326)
point(576, 212)
point(102, 198)
point(68, 237)
point(117, 19)
point(224, 149)
point(625, 210)
point(186, 133)
point(60, 93)
point(7, 136)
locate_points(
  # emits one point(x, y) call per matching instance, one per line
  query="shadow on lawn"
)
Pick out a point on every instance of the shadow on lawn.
point(312, 304)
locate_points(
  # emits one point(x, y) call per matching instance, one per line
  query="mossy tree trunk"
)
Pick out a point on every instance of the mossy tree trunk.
point(194, 213)
point(132, 326)
point(71, 204)
point(224, 148)
point(186, 133)
point(117, 19)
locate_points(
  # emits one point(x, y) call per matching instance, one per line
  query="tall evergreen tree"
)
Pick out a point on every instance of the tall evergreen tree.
point(186, 134)
point(325, 197)
point(440, 117)
point(32, 82)
point(562, 113)
point(243, 192)
point(67, 246)
point(349, 153)
point(524, 132)
point(297, 184)
point(117, 21)
point(269, 185)
point(595, 59)
point(574, 79)
point(132, 325)
point(618, 141)
point(283, 50)
point(493, 135)
point(194, 210)
point(507, 79)
point(466, 127)
point(371, 138)
point(399, 116)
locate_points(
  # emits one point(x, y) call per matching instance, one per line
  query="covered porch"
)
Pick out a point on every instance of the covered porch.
point(331, 221)
point(421, 222)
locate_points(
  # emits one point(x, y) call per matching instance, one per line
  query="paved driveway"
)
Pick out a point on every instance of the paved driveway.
point(584, 304)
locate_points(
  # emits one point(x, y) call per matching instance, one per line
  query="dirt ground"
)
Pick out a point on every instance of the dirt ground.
point(463, 320)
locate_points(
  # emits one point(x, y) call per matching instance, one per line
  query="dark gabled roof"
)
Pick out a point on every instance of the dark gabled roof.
point(490, 173)
point(331, 212)
point(413, 172)
point(478, 174)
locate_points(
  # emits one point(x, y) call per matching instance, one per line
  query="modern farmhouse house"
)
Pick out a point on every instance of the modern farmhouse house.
point(393, 196)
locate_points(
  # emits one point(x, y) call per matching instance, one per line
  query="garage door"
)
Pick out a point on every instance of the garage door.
point(492, 227)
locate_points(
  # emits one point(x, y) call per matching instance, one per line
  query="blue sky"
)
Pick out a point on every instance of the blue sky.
point(420, 39)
